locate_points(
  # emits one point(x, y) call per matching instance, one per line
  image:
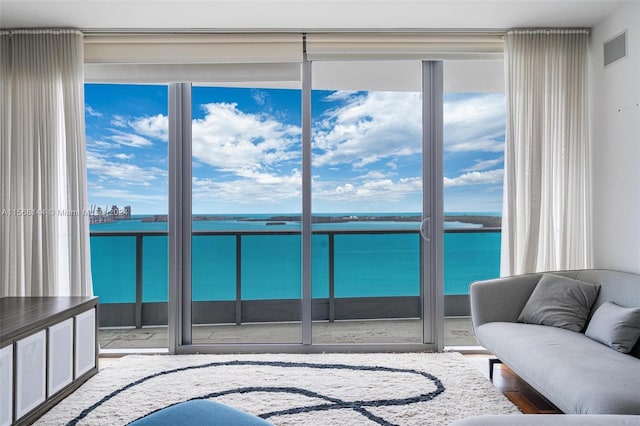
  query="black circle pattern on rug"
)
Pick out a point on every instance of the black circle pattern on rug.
point(359, 406)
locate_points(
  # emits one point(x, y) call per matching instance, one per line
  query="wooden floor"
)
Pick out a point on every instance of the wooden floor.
point(513, 387)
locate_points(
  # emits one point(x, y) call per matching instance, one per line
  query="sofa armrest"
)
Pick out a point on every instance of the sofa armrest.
point(500, 299)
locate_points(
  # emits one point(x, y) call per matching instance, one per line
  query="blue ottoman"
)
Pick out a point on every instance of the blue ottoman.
point(200, 412)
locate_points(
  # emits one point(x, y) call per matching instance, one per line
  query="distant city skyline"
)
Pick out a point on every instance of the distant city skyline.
point(247, 150)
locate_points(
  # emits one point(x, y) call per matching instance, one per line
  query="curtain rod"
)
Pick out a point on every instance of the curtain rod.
point(448, 31)
point(186, 31)
point(549, 31)
point(40, 31)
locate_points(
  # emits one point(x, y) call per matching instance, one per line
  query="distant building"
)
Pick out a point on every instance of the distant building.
point(99, 215)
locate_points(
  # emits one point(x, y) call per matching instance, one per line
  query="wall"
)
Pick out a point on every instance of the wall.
point(615, 138)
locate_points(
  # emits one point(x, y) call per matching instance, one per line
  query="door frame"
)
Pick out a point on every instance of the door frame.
point(180, 198)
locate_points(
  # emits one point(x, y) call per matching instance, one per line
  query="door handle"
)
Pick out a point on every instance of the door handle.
point(425, 229)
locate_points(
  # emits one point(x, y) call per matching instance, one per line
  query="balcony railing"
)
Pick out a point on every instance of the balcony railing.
point(341, 284)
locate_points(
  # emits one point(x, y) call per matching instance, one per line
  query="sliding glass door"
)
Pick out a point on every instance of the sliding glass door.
point(126, 128)
point(246, 212)
point(312, 220)
point(474, 131)
point(367, 202)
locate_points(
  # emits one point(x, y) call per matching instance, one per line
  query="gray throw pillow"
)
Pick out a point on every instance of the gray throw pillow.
point(562, 302)
point(615, 326)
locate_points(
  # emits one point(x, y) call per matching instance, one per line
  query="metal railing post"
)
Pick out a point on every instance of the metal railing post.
point(332, 275)
point(422, 266)
point(238, 279)
point(139, 280)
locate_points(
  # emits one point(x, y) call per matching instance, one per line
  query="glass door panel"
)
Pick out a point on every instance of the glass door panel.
point(474, 132)
point(367, 202)
point(246, 225)
point(126, 128)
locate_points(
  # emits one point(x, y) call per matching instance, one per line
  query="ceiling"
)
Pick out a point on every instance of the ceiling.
point(301, 15)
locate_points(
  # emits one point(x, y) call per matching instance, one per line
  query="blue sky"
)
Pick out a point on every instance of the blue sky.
point(247, 156)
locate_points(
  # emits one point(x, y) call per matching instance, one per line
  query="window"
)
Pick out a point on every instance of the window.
point(247, 257)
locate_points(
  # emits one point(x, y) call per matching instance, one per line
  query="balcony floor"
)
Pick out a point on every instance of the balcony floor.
point(458, 332)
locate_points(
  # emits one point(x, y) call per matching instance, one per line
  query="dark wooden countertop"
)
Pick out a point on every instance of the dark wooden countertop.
point(20, 316)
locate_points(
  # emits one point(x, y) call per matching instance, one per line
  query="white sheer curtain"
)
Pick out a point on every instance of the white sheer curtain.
point(547, 205)
point(44, 243)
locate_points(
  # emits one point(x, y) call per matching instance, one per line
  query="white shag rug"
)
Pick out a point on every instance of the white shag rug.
point(286, 389)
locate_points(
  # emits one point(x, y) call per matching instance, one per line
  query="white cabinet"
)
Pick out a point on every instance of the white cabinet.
point(50, 349)
point(6, 385)
point(31, 364)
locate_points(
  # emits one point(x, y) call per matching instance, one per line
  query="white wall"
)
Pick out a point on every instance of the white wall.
point(615, 133)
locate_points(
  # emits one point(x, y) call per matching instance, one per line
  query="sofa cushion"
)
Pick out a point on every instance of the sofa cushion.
point(550, 419)
point(577, 374)
point(560, 302)
point(615, 326)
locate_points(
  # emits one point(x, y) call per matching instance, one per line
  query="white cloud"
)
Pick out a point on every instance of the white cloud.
point(245, 144)
point(253, 189)
point(392, 165)
point(346, 188)
point(476, 178)
point(340, 95)
point(129, 139)
point(122, 156)
point(124, 173)
point(375, 190)
point(92, 112)
point(124, 196)
point(484, 165)
point(136, 132)
point(256, 151)
point(369, 127)
point(119, 121)
point(156, 126)
point(373, 126)
point(99, 144)
point(475, 123)
point(255, 157)
point(374, 174)
point(259, 96)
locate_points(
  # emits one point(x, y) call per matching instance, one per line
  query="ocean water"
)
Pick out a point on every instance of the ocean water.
point(365, 265)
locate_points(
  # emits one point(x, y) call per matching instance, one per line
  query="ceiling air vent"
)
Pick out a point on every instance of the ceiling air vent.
point(615, 49)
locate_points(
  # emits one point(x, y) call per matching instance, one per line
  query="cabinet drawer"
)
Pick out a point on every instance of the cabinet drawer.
point(85, 342)
point(31, 364)
point(6, 385)
point(60, 365)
